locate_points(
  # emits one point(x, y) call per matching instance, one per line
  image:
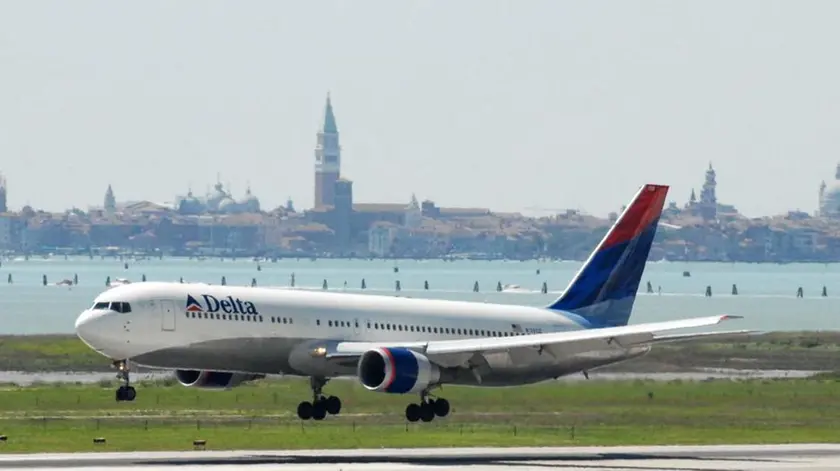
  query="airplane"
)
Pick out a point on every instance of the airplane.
point(219, 337)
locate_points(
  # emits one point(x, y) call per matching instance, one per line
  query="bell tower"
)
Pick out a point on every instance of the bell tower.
point(327, 159)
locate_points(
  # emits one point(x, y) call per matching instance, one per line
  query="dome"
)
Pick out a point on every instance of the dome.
point(215, 197)
point(227, 203)
point(250, 202)
point(830, 197)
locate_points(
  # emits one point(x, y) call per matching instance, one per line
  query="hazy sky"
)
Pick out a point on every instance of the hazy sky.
point(507, 105)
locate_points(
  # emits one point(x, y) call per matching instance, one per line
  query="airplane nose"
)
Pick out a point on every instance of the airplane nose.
point(83, 323)
point(87, 328)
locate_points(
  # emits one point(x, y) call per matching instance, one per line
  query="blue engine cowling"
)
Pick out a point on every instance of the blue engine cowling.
point(396, 371)
point(213, 379)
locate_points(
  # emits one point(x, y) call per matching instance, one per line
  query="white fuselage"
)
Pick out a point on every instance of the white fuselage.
point(273, 331)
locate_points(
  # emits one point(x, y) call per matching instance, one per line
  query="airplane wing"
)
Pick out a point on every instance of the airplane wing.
point(456, 352)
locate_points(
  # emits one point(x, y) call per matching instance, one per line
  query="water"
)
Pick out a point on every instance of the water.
point(767, 292)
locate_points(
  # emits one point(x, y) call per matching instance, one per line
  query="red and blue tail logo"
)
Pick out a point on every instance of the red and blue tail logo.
point(193, 305)
point(603, 291)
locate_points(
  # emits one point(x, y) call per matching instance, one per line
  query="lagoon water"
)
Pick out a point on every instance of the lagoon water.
point(767, 292)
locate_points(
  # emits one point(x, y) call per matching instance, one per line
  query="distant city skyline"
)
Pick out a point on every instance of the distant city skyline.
point(509, 106)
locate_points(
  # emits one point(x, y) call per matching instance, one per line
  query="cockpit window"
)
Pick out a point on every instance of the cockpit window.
point(122, 307)
point(116, 306)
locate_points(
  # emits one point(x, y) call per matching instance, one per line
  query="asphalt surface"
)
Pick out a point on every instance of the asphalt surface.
point(741, 457)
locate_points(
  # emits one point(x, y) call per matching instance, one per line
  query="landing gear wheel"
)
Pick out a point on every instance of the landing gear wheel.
point(304, 410)
point(412, 412)
point(319, 410)
point(333, 405)
point(441, 407)
point(125, 392)
point(320, 405)
point(427, 412)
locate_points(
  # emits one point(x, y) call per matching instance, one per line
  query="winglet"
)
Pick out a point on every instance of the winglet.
point(602, 293)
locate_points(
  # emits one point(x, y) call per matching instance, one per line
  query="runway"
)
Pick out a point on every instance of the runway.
point(694, 458)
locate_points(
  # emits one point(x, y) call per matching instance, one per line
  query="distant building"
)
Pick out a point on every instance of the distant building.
point(327, 159)
point(413, 214)
point(829, 199)
point(218, 201)
point(3, 207)
point(708, 206)
point(381, 237)
point(110, 204)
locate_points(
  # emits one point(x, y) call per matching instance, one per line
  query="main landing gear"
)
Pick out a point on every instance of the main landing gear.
point(320, 405)
point(428, 409)
point(125, 392)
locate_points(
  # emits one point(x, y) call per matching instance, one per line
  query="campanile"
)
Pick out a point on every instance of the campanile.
point(327, 159)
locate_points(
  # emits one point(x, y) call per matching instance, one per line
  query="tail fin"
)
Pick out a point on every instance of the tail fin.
point(602, 293)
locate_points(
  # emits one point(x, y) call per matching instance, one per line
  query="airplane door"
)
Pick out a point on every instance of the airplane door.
point(167, 311)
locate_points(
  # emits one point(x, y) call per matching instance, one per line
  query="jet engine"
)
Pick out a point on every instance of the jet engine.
point(213, 379)
point(396, 371)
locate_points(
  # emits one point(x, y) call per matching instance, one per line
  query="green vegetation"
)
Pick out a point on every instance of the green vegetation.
point(261, 416)
point(33, 353)
point(778, 350)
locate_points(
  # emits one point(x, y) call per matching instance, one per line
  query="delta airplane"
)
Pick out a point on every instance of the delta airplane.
point(219, 337)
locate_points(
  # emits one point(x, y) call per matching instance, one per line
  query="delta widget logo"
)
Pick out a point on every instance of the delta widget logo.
point(229, 305)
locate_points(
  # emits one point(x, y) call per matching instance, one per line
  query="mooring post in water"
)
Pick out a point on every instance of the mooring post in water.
point(324, 285)
point(800, 293)
point(253, 282)
point(544, 287)
point(397, 285)
point(125, 265)
point(75, 278)
point(824, 291)
point(498, 286)
point(144, 277)
point(224, 280)
point(259, 267)
point(426, 285)
point(734, 289)
point(709, 291)
point(9, 280)
point(44, 280)
point(364, 285)
point(108, 281)
point(475, 287)
point(649, 287)
point(181, 280)
point(292, 282)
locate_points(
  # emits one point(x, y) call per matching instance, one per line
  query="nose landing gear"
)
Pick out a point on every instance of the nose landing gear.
point(320, 405)
point(125, 392)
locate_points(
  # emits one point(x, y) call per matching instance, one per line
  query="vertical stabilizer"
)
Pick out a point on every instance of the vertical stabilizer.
point(602, 293)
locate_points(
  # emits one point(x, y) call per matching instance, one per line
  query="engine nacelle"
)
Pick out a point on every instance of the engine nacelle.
point(213, 379)
point(396, 371)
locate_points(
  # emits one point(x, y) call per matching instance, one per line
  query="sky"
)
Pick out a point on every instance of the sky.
point(509, 105)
